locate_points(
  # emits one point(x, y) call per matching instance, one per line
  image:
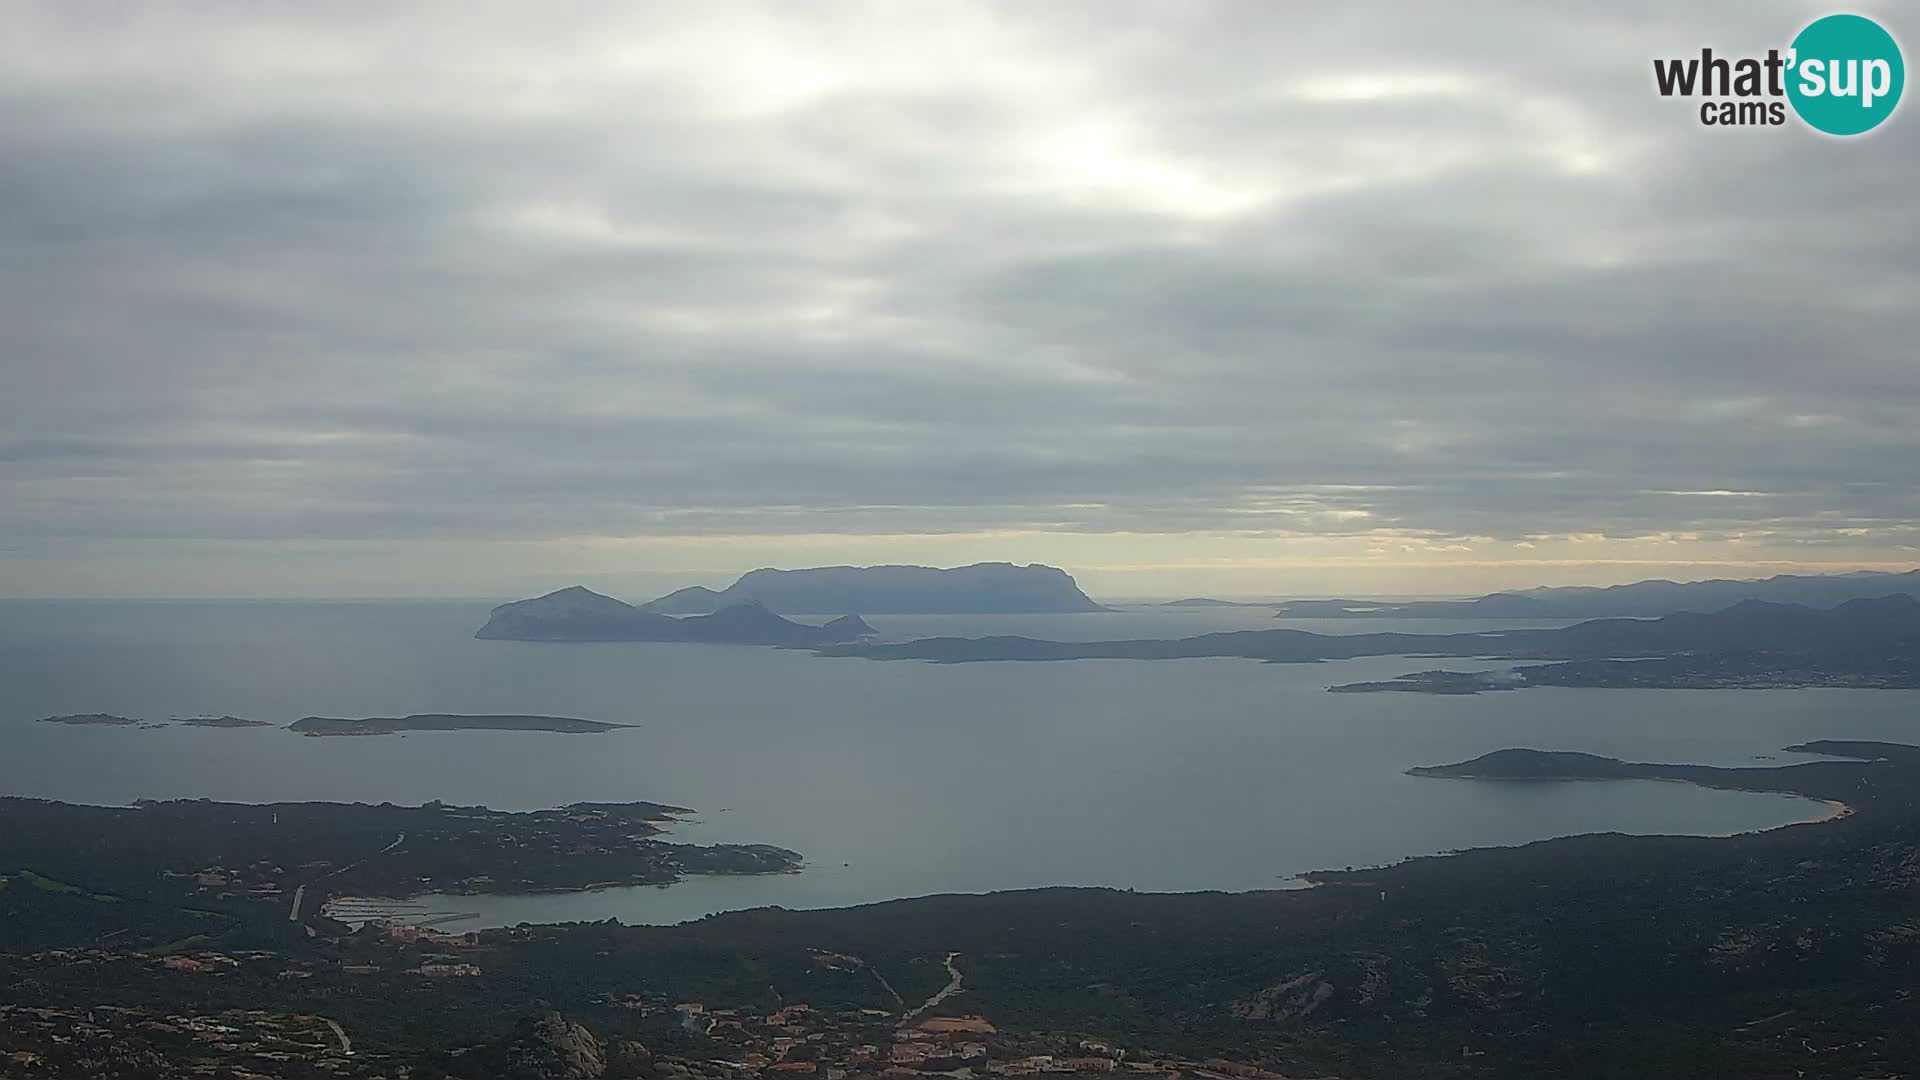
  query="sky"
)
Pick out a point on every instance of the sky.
point(1248, 298)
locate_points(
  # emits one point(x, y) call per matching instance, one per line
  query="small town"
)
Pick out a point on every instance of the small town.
point(800, 1041)
point(694, 1040)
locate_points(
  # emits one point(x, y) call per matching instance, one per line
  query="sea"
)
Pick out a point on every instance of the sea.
point(893, 779)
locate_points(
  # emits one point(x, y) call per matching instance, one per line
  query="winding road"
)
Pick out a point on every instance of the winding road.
point(952, 987)
point(346, 1044)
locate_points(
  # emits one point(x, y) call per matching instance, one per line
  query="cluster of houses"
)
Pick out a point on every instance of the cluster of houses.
point(237, 1042)
point(801, 1042)
point(257, 881)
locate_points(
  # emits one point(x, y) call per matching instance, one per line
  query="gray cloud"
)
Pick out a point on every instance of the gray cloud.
point(347, 274)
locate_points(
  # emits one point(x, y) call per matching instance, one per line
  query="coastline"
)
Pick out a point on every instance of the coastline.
point(1835, 811)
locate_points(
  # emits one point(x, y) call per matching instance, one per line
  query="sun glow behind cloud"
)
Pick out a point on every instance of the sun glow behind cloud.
point(426, 298)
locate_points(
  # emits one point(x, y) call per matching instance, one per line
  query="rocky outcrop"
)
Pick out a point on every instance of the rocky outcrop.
point(554, 1048)
point(1284, 1002)
point(629, 1060)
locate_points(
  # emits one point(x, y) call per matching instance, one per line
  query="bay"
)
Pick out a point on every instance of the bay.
point(893, 779)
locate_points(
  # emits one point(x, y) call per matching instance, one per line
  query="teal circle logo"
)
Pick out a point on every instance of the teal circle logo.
point(1846, 74)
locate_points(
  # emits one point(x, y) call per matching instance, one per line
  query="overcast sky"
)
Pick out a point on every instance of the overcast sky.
point(1244, 298)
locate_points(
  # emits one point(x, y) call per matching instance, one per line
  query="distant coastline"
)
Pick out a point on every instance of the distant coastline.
point(1640, 599)
point(328, 726)
point(1869, 643)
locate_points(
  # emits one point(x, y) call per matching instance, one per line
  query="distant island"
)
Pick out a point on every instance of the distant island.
point(109, 720)
point(1437, 682)
point(580, 614)
point(385, 725)
point(91, 720)
point(981, 589)
point(1642, 599)
point(1210, 602)
point(1524, 764)
point(219, 722)
point(1867, 642)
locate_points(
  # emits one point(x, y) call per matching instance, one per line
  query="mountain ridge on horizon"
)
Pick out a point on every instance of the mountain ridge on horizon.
point(1648, 598)
point(577, 613)
point(1883, 626)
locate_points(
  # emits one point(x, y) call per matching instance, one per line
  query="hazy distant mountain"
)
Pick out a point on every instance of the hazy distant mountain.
point(580, 614)
point(980, 589)
point(692, 600)
point(1642, 599)
point(1651, 597)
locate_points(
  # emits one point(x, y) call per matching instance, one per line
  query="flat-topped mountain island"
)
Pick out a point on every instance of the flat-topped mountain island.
point(992, 588)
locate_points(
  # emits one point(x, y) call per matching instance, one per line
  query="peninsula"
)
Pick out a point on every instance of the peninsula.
point(1834, 781)
point(387, 725)
point(981, 589)
point(196, 850)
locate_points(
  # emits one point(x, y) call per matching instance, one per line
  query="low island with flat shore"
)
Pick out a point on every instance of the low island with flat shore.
point(367, 725)
point(111, 720)
point(388, 725)
point(218, 722)
point(92, 720)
